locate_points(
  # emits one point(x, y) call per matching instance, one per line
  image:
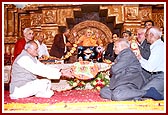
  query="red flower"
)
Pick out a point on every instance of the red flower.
point(99, 83)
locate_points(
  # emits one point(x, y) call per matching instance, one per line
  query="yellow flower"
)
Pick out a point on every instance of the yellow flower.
point(94, 83)
point(75, 84)
point(98, 87)
point(103, 83)
point(69, 54)
point(75, 45)
point(82, 82)
point(72, 51)
point(99, 78)
point(66, 56)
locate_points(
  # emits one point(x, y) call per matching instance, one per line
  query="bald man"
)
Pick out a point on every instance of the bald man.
point(126, 74)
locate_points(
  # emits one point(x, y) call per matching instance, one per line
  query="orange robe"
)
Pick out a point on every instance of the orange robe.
point(88, 41)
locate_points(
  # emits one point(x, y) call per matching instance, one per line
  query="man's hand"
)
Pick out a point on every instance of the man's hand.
point(138, 56)
point(67, 73)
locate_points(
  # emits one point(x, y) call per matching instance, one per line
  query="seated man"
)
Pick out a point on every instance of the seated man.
point(89, 39)
point(127, 78)
point(26, 68)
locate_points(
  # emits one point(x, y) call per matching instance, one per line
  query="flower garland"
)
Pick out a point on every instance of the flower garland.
point(101, 80)
point(70, 52)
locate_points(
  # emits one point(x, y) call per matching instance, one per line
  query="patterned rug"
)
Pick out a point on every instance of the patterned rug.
point(81, 101)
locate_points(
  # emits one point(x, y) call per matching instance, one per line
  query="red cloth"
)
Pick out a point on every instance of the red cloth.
point(65, 96)
point(19, 46)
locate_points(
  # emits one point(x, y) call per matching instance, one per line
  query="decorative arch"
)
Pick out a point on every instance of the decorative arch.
point(97, 27)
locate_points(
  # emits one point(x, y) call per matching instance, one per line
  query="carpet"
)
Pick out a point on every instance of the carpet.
point(79, 101)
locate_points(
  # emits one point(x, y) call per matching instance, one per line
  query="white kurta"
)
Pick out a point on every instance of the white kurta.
point(37, 87)
point(42, 49)
point(39, 68)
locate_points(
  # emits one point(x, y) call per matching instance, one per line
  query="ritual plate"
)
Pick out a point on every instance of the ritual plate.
point(49, 61)
point(85, 70)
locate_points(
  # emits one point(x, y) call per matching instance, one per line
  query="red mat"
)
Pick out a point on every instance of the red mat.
point(66, 96)
point(78, 101)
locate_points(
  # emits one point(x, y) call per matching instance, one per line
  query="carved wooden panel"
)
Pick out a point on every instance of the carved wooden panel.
point(132, 28)
point(62, 14)
point(36, 31)
point(16, 23)
point(131, 12)
point(36, 19)
point(116, 10)
point(145, 13)
point(24, 23)
point(97, 28)
point(49, 30)
point(49, 16)
point(10, 39)
point(158, 19)
point(9, 49)
point(8, 53)
point(10, 23)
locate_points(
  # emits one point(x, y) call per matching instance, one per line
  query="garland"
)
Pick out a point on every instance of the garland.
point(69, 54)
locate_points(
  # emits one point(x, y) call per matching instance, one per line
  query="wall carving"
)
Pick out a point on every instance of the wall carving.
point(116, 10)
point(158, 19)
point(47, 18)
point(49, 37)
point(24, 23)
point(36, 19)
point(145, 13)
point(131, 12)
point(49, 31)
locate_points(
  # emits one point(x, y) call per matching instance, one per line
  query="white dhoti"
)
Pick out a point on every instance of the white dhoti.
point(39, 88)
